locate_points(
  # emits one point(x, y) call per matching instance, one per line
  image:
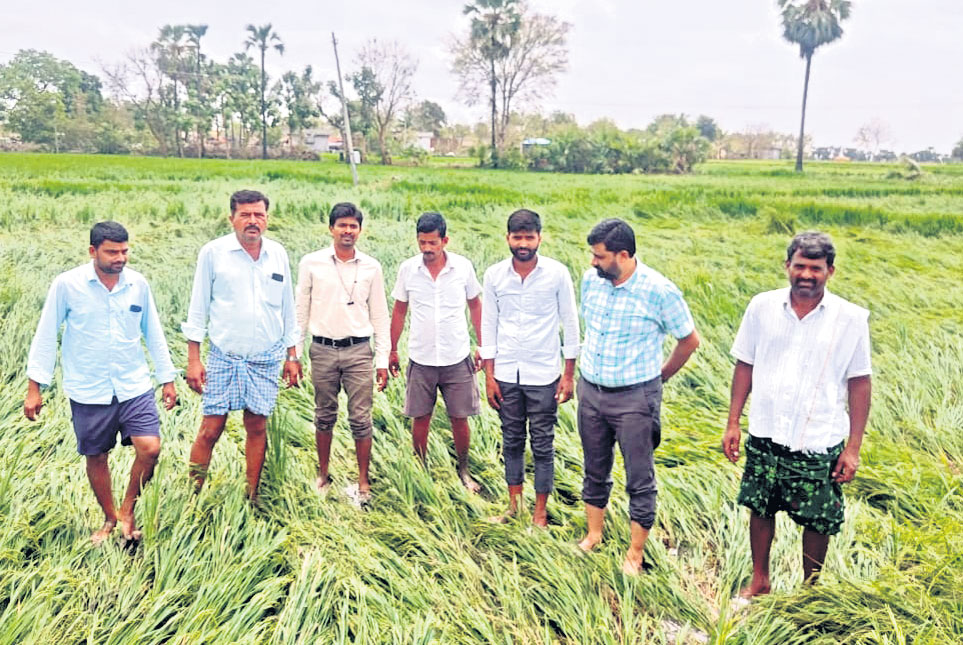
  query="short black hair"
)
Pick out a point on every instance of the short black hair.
point(813, 245)
point(524, 220)
point(429, 222)
point(111, 231)
point(615, 234)
point(345, 209)
point(248, 197)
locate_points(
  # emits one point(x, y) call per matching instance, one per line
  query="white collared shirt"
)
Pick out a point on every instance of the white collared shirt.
point(244, 306)
point(438, 334)
point(338, 299)
point(521, 318)
point(801, 368)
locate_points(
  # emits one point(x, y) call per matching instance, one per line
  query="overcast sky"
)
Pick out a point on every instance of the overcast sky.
point(899, 61)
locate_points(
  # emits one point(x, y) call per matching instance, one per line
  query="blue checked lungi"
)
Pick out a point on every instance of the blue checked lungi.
point(239, 383)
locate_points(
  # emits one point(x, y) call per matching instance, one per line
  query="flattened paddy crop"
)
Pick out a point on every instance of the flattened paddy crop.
point(423, 566)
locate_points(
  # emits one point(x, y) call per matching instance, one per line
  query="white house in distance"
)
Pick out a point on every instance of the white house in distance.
point(317, 140)
point(423, 140)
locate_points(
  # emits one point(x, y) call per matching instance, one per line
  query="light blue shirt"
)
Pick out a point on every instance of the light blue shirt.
point(244, 306)
point(625, 326)
point(101, 353)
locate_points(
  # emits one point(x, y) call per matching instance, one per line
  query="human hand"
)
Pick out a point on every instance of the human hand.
point(381, 378)
point(32, 404)
point(566, 385)
point(292, 373)
point(196, 376)
point(493, 392)
point(846, 466)
point(478, 360)
point(169, 395)
point(730, 442)
point(394, 364)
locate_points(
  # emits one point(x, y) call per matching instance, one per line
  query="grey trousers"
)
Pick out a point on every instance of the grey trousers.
point(351, 367)
point(631, 418)
point(534, 406)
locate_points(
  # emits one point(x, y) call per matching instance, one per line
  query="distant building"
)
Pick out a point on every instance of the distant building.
point(424, 141)
point(317, 140)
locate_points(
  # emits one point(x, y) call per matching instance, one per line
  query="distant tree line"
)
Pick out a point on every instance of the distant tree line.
point(171, 98)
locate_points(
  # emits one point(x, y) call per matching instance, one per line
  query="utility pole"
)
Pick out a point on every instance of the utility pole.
point(344, 112)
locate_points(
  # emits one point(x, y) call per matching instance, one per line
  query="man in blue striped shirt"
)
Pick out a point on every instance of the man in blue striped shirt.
point(106, 310)
point(628, 309)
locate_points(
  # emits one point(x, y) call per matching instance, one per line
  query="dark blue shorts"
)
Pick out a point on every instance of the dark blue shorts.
point(96, 425)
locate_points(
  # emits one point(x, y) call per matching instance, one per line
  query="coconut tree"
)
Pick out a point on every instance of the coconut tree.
point(811, 24)
point(194, 35)
point(493, 24)
point(263, 38)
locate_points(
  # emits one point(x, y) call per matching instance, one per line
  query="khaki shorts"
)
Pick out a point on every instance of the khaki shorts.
point(456, 382)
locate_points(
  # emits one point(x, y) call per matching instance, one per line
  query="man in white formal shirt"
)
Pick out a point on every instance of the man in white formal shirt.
point(804, 354)
point(527, 298)
point(242, 300)
point(340, 299)
point(436, 285)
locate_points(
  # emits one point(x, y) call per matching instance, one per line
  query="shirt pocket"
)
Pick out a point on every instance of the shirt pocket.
point(274, 288)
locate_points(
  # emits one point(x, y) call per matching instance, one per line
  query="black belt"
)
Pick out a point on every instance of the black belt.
point(341, 342)
point(620, 388)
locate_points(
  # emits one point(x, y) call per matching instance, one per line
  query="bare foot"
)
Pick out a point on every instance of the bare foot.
point(589, 543)
point(470, 484)
point(98, 536)
point(504, 518)
point(128, 529)
point(324, 485)
point(540, 518)
point(631, 566)
point(755, 588)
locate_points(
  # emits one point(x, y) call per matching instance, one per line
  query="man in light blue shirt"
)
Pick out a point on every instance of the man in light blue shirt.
point(628, 309)
point(105, 310)
point(243, 301)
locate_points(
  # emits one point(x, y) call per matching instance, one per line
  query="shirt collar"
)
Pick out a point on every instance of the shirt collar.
point(511, 266)
point(329, 252)
point(444, 269)
point(91, 274)
point(234, 244)
point(824, 305)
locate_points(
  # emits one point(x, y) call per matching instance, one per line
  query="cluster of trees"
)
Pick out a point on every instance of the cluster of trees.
point(52, 103)
point(171, 98)
point(671, 143)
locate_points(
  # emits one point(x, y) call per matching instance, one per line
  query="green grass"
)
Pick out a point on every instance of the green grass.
point(424, 566)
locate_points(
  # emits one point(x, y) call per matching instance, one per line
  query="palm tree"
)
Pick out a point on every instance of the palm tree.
point(262, 37)
point(811, 24)
point(169, 48)
point(493, 24)
point(194, 35)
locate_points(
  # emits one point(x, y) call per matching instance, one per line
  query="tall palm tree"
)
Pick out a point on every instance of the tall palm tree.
point(493, 24)
point(194, 35)
point(811, 24)
point(169, 49)
point(263, 38)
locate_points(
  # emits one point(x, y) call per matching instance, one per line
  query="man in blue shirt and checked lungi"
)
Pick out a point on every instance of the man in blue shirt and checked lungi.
point(244, 302)
point(628, 308)
point(105, 310)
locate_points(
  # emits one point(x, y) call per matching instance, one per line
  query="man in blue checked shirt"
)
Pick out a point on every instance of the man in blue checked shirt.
point(105, 310)
point(628, 309)
point(243, 302)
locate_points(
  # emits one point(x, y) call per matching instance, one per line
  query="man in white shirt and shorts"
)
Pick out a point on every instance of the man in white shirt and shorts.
point(436, 285)
point(804, 353)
